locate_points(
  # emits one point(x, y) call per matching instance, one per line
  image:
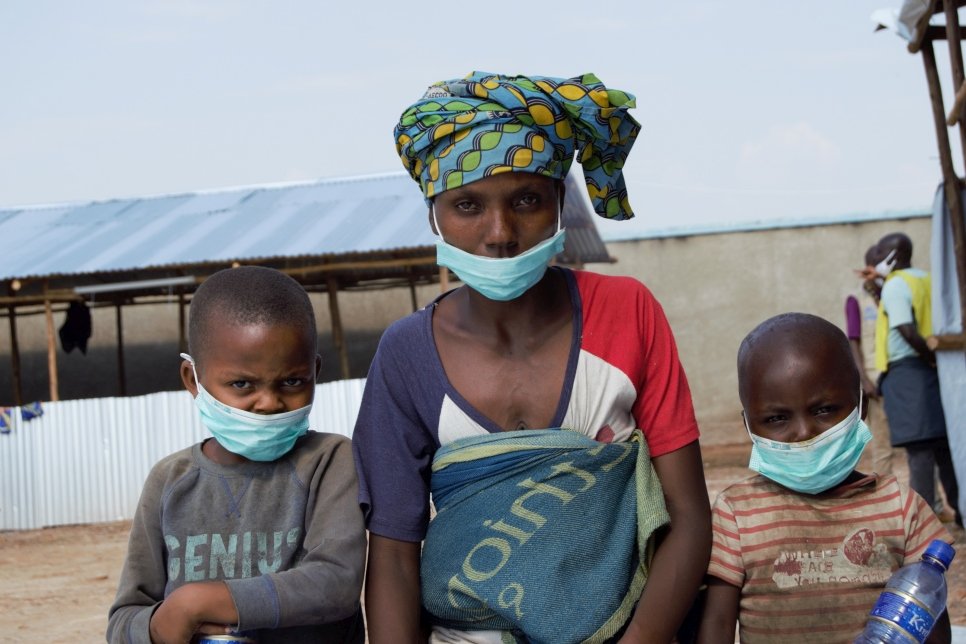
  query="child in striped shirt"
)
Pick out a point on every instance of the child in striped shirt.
point(802, 550)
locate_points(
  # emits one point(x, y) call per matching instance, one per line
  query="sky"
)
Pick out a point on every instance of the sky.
point(751, 111)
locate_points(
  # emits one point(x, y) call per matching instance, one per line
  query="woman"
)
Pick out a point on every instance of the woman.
point(540, 533)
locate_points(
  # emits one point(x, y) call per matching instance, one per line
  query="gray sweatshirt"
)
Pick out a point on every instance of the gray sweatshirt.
point(286, 536)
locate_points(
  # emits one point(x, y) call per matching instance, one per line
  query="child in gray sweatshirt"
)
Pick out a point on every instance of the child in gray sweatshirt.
point(256, 530)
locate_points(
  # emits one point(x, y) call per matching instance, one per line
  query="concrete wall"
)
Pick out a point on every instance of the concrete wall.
point(714, 288)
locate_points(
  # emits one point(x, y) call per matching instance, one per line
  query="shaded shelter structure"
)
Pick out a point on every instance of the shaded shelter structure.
point(346, 234)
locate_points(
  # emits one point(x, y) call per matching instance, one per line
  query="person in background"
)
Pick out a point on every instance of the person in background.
point(545, 409)
point(908, 381)
point(861, 312)
point(256, 530)
point(803, 549)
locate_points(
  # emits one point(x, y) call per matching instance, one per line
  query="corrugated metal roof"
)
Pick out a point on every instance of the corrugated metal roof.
point(583, 244)
point(332, 216)
point(329, 216)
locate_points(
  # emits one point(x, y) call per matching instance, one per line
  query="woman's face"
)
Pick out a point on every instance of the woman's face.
point(500, 216)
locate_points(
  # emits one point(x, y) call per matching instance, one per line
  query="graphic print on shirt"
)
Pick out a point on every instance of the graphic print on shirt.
point(858, 560)
point(204, 557)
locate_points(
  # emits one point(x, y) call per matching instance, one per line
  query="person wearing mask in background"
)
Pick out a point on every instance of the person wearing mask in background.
point(861, 312)
point(908, 381)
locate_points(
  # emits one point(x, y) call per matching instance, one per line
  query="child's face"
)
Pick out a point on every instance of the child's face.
point(261, 369)
point(794, 395)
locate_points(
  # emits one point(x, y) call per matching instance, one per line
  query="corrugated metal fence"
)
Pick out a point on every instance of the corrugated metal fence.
point(84, 461)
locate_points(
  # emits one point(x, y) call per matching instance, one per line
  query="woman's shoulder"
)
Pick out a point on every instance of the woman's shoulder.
point(409, 329)
point(608, 299)
point(589, 282)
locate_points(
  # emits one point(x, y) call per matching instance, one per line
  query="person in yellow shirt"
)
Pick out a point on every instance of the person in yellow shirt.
point(908, 380)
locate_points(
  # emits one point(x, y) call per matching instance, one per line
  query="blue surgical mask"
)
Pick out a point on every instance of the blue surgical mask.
point(817, 464)
point(257, 437)
point(500, 278)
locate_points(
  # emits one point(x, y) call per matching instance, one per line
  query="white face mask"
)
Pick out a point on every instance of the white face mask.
point(885, 267)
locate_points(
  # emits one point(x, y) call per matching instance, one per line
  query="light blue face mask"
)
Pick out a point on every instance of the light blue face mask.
point(500, 278)
point(257, 437)
point(817, 464)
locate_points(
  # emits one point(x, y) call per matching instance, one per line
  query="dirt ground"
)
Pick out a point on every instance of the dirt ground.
point(56, 584)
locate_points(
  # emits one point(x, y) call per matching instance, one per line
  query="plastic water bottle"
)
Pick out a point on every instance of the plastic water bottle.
point(914, 597)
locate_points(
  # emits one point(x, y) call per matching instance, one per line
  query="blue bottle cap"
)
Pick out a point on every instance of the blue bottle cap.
point(941, 552)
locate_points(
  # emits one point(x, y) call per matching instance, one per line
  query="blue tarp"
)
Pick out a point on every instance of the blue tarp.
point(947, 319)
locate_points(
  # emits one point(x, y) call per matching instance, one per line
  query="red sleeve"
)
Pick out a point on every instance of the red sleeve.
point(625, 325)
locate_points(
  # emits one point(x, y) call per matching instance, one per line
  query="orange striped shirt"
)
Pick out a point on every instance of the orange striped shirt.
point(811, 567)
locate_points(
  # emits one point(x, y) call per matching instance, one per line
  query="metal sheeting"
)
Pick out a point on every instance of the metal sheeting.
point(360, 214)
point(583, 244)
point(327, 217)
point(84, 461)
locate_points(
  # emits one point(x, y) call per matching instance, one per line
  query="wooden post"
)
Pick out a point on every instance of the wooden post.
point(412, 294)
point(51, 349)
point(121, 376)
point(955, 58)
point(338, 339)
point(182, 325)
point(443, 279)
point(951, 182)
point(15, 357)
point(956, 112)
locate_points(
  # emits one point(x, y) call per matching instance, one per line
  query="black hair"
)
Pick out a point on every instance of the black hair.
point(248, 296)
point(872, 255)
point(800, 331)
point(899, 242)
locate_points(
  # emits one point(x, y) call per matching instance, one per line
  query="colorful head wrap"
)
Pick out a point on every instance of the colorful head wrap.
point(467, 129)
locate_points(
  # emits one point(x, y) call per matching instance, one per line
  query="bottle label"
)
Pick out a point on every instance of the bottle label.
point(904, 611)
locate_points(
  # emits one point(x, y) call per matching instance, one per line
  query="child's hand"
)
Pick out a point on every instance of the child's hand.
point(173, 621)
point(192, 609)
point(869, 388)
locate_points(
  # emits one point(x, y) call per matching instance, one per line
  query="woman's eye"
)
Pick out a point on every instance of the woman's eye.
point(528, 201)
point(466, 206)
